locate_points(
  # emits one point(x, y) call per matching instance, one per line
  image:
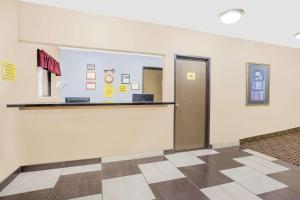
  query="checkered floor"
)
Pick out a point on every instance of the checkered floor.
point(222, 174)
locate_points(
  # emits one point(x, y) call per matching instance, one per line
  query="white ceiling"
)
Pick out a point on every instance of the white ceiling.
point(269, 21)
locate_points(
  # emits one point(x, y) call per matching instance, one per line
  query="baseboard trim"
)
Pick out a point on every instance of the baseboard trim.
point(225, 145)
point(269, 135)
point(55, 165)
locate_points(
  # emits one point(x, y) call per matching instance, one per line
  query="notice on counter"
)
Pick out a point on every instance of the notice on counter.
point(191, 76)
point(108, 90)
point(8, 71)
point(122, 88)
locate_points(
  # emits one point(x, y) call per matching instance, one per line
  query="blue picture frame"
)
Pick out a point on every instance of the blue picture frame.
point(258, 84)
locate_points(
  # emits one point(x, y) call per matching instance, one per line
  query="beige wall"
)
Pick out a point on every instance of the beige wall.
point(23, 89)
point(29, 137)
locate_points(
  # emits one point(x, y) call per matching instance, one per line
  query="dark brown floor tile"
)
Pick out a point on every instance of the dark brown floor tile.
point(179, 189)
point(234, 152)
point(291, 178)
point(294, 168)
point(82, 162)
point(90, 184)
point(35, 195)
point(77, 185)
point(204, 176)
point(66, 187)
point(150, 160)
point(221, 161)
point(120, 168)
point(282, 194)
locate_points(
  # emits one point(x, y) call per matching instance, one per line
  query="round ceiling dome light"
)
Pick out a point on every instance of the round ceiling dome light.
point(297, 36)
point(231, 16)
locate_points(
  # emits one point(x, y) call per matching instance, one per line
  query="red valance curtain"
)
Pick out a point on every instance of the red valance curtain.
point(48, 63)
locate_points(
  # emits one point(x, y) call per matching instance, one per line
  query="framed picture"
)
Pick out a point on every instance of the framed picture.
point(91, 75)
point(125, 78)
point(258, 84)
point(135, 86)
point(90, 66)
point(90, 86)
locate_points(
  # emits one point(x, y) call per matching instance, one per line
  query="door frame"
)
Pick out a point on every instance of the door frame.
point(207, 60)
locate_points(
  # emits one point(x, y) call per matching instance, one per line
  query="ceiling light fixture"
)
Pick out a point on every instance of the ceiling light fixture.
point(297, 36)
point(231, 16)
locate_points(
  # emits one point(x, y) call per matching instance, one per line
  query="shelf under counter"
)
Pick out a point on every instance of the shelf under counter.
point(58, 104)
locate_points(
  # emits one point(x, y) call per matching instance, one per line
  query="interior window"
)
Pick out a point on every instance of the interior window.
point(44, 79)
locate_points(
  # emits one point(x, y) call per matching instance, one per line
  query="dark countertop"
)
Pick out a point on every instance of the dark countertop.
point(62, 104)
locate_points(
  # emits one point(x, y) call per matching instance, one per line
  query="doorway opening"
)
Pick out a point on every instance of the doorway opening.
point(152, 82)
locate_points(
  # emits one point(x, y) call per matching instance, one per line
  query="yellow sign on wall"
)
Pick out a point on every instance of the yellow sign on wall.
point(123, 88)
point(191, 76)
point(108, 90)
point(8, 71)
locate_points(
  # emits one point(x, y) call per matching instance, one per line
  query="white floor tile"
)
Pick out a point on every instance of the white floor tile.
point(45, 179)
point(91, 197)
point(72, 170)
point(229, 191)
point(32, 181)
point(114, 189)
point(81, 169)
point(160, 171)
point(148, 154)
point(117, 158)
point(261, 165)
point(137, 188)
point(126, 188)
point(184, 159)
point(204, 152)
point(20, 184)
point(263, 156)
point(216, 193)
point(91, 168)
point(151, 173)
point(238, 192)
point(168, 170)
point(252, 180)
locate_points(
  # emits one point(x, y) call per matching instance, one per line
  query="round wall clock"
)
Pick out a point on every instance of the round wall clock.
point(108, 78)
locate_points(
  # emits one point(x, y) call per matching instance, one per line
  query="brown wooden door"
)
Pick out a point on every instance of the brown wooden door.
point(190, 108)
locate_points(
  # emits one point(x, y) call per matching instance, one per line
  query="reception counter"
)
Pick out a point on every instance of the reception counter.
point(58, 104)
point(56, 132)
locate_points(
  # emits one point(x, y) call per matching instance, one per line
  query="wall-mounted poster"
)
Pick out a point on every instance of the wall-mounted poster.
point(258, 84)
point(108, 90)
point(125, 79)
point(135, 86)
point(8, 71)
point(90, 86)
point(122, 88)
point(91, 66)
point(90, 75)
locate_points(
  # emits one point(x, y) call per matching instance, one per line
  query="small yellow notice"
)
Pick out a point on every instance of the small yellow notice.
point(191, 76)
point(108, 90)
point(123, 88)
point(8, 71)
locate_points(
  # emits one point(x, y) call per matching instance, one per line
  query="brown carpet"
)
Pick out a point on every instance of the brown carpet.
point(285, 147)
